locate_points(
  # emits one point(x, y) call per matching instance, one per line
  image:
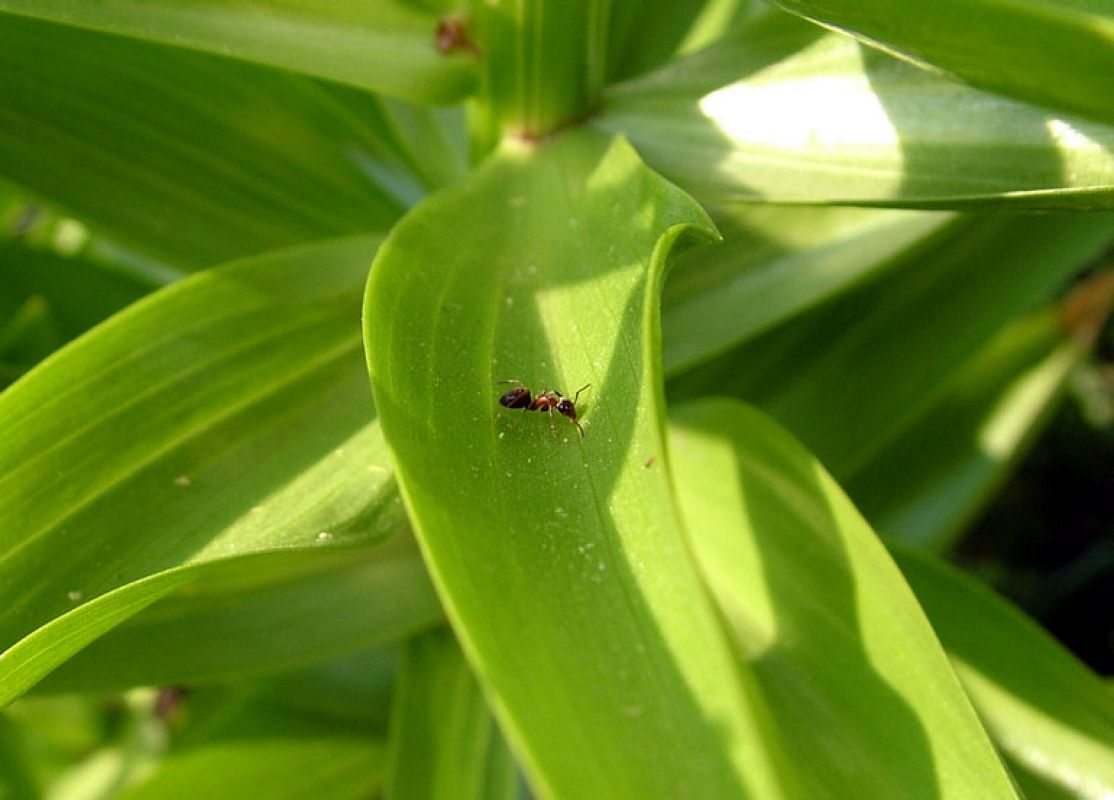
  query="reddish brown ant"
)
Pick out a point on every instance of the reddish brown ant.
point(546, 400)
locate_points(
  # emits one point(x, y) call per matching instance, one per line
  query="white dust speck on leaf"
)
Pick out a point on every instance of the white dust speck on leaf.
point(182, 480)
point(75, 595)
point(324, 536)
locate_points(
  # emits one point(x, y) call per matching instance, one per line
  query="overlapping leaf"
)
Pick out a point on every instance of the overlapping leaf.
point(865, 699)
point(224, 416)
point(387, 46)
point(783, 112)
point(863, 366)
point(1050, 715)
point(1058, 52)
point(190, 157)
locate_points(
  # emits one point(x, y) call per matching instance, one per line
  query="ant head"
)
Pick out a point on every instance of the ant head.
point(567, 407)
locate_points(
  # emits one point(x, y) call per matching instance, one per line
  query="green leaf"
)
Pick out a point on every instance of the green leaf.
point(863, 694)
point(1050, 715)
point(782, 113)
point(559, 558)
point(224, 416)
point(387, 45)
point(443, 742)
point(544, 63)
point(641, 36)
point(267, 753)
point(260, 615)
point(191, 158)
point(775, 263)
point(930, 482)
point(1054, 52)
point(865, 365)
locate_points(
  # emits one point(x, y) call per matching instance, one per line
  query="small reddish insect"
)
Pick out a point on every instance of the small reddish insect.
point(546, 400)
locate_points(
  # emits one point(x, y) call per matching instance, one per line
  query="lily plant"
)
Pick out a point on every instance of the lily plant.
point(774, 297)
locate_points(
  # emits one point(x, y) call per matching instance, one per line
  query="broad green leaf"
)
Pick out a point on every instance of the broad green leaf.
point(781, 112)
point(864, 696)
point(560, 559)
point(1054, 52)
point(443, 742)
point(224, 416)
point(863, 366)
point(268, 753)
point(931, 481)
point(261, 615)
point(776, 262)
point(544, 63)
point(1051, 716)
point(387, 45)
point(190, 157)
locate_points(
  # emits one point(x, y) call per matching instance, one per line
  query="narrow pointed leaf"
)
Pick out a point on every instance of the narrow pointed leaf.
point(784, 113)
point(444, 744)
point(933, 479)
point(189, 157)
point(775, 263)
point(866, 364)
point(261, 615)
point(865, 697)
point(559, 557)
point(388, 45)
point(223, 416)
point(1049, 714)
point(1055, 52)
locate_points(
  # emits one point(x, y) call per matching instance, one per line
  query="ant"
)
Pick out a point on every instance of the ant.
point(546, 400)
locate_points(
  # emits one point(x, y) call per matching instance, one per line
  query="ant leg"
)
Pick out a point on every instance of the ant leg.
point(552, 425)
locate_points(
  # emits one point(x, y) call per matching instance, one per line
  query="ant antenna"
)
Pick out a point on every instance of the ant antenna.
point(577, 397)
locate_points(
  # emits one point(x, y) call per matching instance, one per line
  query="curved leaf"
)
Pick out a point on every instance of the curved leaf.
point(190, 157)
point(782, 113)
point(1050, 715)
point(865, 698)
point(251, 616)
point(388, 45)
point(223, 416)
point(559, 558)
point(1054, 52)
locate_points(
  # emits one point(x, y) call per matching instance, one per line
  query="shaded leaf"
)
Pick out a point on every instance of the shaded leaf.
point(775, 263)
point(444, 743)
point(864, 696)
point(189, 157)
point(1050, 715)
point(261, 615)
point(865, 365)
point(929, 483)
